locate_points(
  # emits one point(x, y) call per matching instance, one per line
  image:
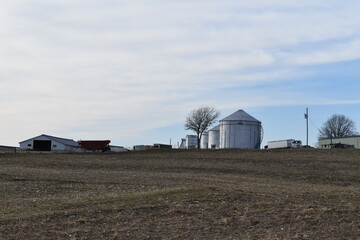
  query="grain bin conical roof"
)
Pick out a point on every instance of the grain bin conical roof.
point(240, 115)
point(216, 128)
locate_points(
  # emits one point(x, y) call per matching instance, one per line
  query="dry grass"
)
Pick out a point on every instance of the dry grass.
point(223, 194)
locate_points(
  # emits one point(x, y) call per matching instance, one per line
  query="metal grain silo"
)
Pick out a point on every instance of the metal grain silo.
point(214, 137)
point(204, 140)
point(191, 141)
point(240, 130)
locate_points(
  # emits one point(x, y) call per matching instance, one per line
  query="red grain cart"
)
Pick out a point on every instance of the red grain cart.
point(95, 145)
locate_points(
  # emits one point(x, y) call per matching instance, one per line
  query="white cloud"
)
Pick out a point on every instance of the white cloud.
point(73, 64)
point(334, 52)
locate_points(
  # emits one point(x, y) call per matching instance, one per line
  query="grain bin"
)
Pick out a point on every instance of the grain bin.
point(240, 130)
point(214, 137)
point(204, 140)
point(191, 141)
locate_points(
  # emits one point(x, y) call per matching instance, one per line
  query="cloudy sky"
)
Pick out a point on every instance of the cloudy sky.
point(130, 71)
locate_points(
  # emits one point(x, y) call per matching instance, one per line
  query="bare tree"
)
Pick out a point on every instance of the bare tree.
point(338, 125)
point(200, 119)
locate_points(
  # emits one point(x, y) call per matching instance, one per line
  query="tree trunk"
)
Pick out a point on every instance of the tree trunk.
point(198, 140)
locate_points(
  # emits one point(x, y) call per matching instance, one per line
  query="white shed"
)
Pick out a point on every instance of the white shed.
point(240, 130)
point(118, 148)
point(7, 149)
point(49, 143)
point(349, 140)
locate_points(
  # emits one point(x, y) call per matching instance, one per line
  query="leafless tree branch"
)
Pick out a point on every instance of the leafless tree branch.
point(338, 125)
point(200, 119)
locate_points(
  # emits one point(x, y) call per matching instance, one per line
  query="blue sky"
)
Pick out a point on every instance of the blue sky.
point(130, 71)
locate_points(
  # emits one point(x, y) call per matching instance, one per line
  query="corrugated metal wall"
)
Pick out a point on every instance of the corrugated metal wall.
point(240, 134)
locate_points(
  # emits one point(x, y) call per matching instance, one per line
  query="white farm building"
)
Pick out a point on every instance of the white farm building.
point(350, 140)
point(49, 143)
point(7, 149)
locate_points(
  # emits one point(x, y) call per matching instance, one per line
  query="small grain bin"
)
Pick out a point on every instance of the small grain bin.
point(191, 141)
point(240, 130)
point(214, 138)
point(204, 140)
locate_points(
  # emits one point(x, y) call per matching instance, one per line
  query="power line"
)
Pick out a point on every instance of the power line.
point(314, 125)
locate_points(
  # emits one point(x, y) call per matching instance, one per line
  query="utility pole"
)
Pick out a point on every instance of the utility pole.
point(306, 115)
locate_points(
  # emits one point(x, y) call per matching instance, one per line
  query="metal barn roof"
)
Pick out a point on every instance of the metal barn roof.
point(334, 138)
point(240, 115)
point(7, 148)
point(65, 141)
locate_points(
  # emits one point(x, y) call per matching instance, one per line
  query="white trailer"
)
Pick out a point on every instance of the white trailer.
point(288, 143)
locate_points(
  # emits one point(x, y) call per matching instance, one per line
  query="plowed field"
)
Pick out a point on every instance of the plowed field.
point(179, 194)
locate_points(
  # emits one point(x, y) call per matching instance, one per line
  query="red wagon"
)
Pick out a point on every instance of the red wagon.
point(95, 145)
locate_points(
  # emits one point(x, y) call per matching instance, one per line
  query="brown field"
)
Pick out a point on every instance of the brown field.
point(176, 194)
